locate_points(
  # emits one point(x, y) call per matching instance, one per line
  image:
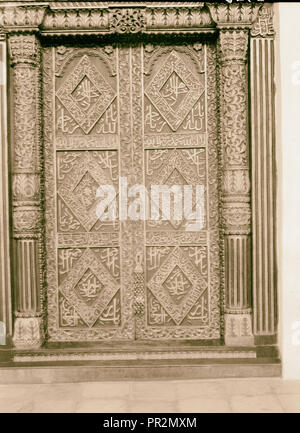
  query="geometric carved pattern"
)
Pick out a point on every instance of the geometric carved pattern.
point(127, 20)
point(78, 189)
point(174, 90)
point(175, 167)
point(86, 94)
point(177, 281)
point(176, 292)
point(89, 287)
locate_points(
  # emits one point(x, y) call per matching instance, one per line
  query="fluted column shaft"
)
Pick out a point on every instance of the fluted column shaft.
point(24, 50)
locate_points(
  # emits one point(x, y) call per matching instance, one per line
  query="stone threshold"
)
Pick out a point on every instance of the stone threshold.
point(54, 365)
point(71, 372)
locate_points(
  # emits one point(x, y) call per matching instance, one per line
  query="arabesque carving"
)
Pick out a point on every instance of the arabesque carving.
point(127, 20)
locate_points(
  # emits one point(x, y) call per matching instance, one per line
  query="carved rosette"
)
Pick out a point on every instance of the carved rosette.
point(127, 20)
point(236, 212)
point(24, 50)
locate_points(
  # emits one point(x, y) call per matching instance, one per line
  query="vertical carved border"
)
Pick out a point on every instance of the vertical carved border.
point(5, 277)
point(137, 149)
point(49, 299)
point(264, 272)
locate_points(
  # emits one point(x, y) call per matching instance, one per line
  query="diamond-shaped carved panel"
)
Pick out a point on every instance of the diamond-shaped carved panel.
point(176, 292)
point(175, 169)
point(174, 90)
point(89, 287)
point(86, 94)
point(78, 189)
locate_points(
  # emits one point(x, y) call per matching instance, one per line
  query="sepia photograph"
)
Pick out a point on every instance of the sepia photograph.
point(149, 211)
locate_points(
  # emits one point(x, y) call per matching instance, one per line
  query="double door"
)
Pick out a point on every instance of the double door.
point(130, 117)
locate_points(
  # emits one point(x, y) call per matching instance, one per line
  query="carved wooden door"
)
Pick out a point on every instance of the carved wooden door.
point(147, 113)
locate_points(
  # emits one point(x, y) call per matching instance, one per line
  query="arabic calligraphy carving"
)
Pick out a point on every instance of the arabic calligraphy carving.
point(174, 90)
point(264, 26)
point(86, 94)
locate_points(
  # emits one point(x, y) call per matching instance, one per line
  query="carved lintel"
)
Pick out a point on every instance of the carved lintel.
point(103, 17)
point(138, 18)
point(238, 330)
point(28, 333)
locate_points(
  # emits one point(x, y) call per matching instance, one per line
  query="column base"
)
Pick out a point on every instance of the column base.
point(28, 333)
point(238, 330)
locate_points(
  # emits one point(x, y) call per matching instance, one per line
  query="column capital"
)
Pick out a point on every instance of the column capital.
point(234, 15)
point(233, 45)
point(23, 48)
point(22, 18)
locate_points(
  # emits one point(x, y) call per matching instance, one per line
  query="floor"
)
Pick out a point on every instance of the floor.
point(223, 395)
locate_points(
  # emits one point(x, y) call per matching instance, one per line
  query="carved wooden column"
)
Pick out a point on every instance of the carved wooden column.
point(24, 50)
point(236, 209)
point(234, 22)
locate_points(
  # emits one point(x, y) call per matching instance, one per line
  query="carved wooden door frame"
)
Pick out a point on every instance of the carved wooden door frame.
point(247, 195)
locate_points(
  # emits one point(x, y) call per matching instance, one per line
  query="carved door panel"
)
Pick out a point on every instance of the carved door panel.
point(89, 295)
point(147, 113)
point(179, 134)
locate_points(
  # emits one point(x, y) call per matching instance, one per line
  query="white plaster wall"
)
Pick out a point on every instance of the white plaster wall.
point(288, 163)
